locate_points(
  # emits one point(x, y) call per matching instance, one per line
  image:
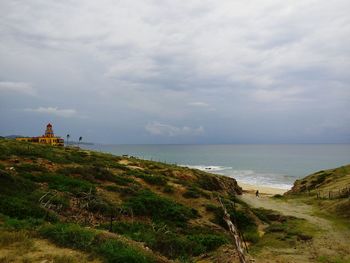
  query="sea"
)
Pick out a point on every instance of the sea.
point(277, 165)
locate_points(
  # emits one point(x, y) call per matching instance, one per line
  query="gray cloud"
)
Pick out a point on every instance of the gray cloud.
point(156, 128)
point(17, 87)
point(127, 63)
point(66, 113)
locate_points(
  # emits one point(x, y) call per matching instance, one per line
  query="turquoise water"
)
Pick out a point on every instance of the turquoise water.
point(265, 165)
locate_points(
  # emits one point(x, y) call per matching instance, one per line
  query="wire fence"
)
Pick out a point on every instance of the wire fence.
point(334, 194)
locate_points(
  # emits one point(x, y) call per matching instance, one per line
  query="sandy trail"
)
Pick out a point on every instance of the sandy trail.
point(332, 242)
point(295, 209)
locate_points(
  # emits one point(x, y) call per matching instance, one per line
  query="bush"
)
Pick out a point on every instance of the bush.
point(103, 207)
point(70, 235)
point(155, 179)
point(251, 236)
point(209, 182)
point(147, 203)
point(124, 191)
point(122, 180)
point(27, 224)
point(115, 251)
point(75, 236)
point(28, 167)
point(137, 231)
point(168, 189)
point(243, 219)
point(11, 185)
point(20, 208)
point(208, 242)
point(64, 183)
point(211, 208)
point(192, 193)
point(90, 173)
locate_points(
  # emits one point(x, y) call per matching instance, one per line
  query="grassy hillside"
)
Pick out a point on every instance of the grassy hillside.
point(328, 180)
point(71, 205)
point(328, 189)
point(105, 208)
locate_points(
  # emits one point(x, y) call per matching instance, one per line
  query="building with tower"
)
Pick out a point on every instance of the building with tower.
point(48, 138)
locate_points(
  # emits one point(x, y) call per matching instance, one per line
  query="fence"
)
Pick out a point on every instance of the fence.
point(334, 194)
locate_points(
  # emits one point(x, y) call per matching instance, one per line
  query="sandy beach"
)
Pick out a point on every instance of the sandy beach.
point(263, 190)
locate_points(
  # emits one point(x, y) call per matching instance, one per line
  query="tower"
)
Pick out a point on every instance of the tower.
point(49, 132)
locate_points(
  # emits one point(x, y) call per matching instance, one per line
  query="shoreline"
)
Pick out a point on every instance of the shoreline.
point(263, 190)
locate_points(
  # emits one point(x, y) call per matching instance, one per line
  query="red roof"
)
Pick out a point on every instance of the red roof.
point(49, 125)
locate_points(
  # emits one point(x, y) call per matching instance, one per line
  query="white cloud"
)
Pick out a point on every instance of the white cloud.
point(19, 87)
point(156, 128)
point(66, 113)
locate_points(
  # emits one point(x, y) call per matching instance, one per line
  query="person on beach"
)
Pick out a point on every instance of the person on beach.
point(257, 193)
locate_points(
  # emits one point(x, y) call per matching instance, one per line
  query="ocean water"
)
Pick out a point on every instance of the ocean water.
point(264, 165)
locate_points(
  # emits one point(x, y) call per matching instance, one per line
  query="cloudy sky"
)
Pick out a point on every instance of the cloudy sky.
point(171, 71)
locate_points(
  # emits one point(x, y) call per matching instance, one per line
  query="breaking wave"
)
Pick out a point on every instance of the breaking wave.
point(251, 177)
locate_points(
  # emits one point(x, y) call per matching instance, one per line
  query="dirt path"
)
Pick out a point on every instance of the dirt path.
point(332, 244)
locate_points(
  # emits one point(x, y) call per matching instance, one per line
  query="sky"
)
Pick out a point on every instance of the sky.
point(170, 71)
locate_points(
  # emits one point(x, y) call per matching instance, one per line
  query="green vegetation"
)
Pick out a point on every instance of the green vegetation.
point(241, 216)
point(67, 195)
point(74, 236)
point(116, 251)
point(63, 183)
point(283, 231)
point(147, 203)
point(163, 239)
point(69, 235)
point(328, 190)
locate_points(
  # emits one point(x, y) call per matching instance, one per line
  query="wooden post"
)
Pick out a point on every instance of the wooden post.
point(234, 232)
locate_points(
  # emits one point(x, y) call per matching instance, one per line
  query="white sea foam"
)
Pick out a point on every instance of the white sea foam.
point(208, 168)
point(248, 176)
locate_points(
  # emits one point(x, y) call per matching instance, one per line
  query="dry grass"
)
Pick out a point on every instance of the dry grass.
point(20, 247)
point(21, 239)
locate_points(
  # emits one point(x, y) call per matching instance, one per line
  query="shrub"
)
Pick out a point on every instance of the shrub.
point(137, 231)
point(116, 251)
point(147, 203)
point(70, 235)
point(27, 224)
point(11, 185)
point(211, 208)
point(102, 206)
point(65, 183)
point(209, 182)
point(28, 167)
point(208, 242)
point(122, 180)
point(124, 191)
point(251, 236)
point(20, 207)
point(191, 193)
point(168, 189)
point(154, 179)
point(242, 218)
point(161, 238)
point(90, 173)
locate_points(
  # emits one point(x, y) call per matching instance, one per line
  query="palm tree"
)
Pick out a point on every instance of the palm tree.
point(80, 138)
point(68, 138)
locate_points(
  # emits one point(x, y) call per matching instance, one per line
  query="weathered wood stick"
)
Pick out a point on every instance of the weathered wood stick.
point(234, 232)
